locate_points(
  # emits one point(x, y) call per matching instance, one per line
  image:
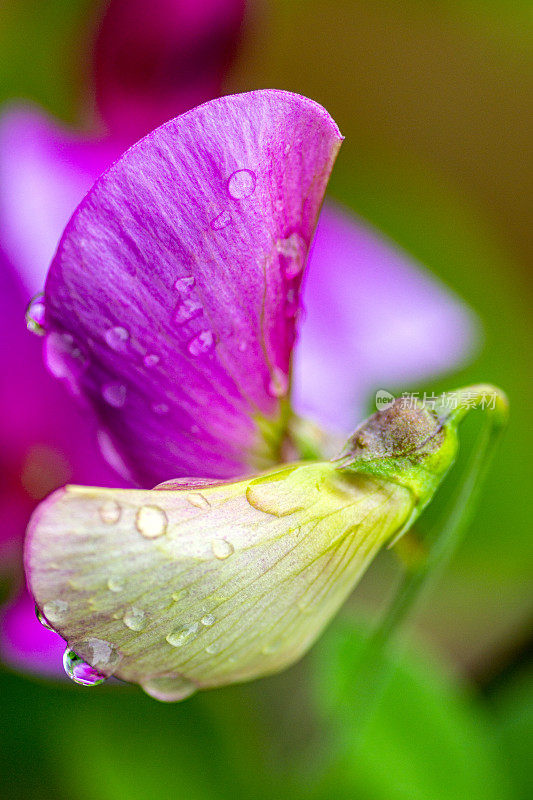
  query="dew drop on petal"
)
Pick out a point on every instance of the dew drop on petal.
point(63, 357)
point(117, 338)
point(222, 548)
point(182, 635)
point(292, 252)
point(222, 221)
point(278, 384)
point(115, 585)
point(208, 620)
point(79, 671)
point(35, 314)
point(168, 688)
point(213, 648)
point(101, 654)
point(55, 610)
point(160, 408)
point(187, 310)
point(179, 595)
point(202, 343)
point(135, 619)
point(151, 522)
point(110, 512)
point(150, 360)
point(42, 619)
point(114, 394)
point(241, 183)
point(185, 284)
point(198, 500)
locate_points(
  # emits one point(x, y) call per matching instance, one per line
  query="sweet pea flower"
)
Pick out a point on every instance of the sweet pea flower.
point(151, 62)
point(172, 308)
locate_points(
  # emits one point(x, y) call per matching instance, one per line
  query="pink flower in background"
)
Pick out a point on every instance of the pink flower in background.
point(373, 318)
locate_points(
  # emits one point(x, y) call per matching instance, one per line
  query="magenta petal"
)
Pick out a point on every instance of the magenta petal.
point(171, 301)
point(374, 319)
point(44, 173)
point(27, 645)
point(155, 60)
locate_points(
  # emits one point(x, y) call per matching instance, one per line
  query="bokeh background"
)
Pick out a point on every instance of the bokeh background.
point(434, 98)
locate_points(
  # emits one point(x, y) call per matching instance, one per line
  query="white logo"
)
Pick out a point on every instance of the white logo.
point(384, 399)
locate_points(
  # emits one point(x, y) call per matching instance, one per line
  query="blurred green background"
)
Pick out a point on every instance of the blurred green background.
point(434, 98)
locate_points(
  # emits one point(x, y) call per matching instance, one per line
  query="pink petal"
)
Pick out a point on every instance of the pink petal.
point(25, 644)
point(171, 300)
point(44, 173)
point(374, 319)
point(155, 60)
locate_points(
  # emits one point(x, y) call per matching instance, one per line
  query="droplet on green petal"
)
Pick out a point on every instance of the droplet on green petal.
point(241, 581)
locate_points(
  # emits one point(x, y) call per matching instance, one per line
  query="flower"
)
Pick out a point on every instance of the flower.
point(171, 306)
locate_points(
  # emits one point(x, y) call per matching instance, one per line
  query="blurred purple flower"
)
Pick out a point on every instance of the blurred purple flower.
point(390, 321)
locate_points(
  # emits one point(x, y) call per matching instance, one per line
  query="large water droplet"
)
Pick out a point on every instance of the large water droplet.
point(168, 688)
point(208, 620)
point(109, 512)
point(79, 671)
point(135, 619)
point(35, 314)
point(182, 635)
point(222, 548)
point(198, 500)
point(117, 338)
point(292, 252)
point(186, 310)
point(222, 221)
point(55, 611)
point(278, 384)
point(241, 183)
point(185, 284)
point(151, 360)
point(42, 619)
point(114, 394)
point(202, 343)
point(151, 521)
point(101, 654)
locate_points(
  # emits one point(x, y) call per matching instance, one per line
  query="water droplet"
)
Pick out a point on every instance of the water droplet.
point(222, 221)
point(222, 548)
point(101, 654)
point(291, 304)
point(151, 360)
point(117, 338)
point(114, 394)
point(35, 314)
point(184, 285)
point(135, 619)
point(160, 408)
point(278, 384)
point(198, 500)
point(241, 183)
point(213, 648)
point(208, 620)
point(55, 610)
point(63, 357)
point(79, 671)
point(42, 619)
point(287, 149)
point(292, 252)
point(168, 688)
point(151, 521)
point(110, 512)
point(186, 310)
point(242, 346)
point(202, 343)
point(115, 585)
point(179, 595)
point(182, 635)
